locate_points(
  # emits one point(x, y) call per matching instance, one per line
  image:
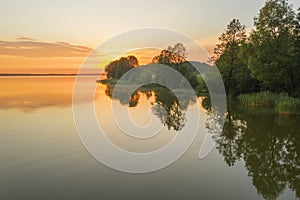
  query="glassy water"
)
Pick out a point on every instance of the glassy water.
point(41, 156)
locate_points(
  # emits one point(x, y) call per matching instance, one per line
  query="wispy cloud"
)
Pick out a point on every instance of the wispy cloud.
point(28, 47)
point(25, 38)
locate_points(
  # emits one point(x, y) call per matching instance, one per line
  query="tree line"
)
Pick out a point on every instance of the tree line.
point(268, 59)
point(174, 56)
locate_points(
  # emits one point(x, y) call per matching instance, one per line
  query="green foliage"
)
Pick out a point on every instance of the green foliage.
point(117, 68)
point(295, 74)
point(233, 68)
point(267, 60)
point(172, 55)
point(175, 57)
point(271, 61)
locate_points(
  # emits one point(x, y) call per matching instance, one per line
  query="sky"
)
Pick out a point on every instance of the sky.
point(55, 34)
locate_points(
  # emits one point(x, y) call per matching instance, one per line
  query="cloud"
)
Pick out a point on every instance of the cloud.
point(28, 47)
point(25, 38)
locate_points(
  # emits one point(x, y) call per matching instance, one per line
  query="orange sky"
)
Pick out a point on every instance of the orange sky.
point(20, 64)
point(50, 35)
point(25, 55)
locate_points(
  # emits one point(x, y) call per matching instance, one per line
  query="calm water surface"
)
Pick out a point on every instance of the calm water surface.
point(41, 157)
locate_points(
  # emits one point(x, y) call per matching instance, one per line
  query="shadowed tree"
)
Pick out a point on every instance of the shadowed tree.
point(295, 74)
point(233, 69)
point(172, 55)
point(271, 60)
point(175, 57)
point(117, 68)
point(132, 61)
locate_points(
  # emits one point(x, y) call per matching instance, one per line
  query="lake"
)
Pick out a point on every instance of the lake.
point(257, 156)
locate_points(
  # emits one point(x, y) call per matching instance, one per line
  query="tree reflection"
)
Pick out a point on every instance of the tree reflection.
point(269, 144)
point(169, 109)
point(122, 96)
point(166, 106)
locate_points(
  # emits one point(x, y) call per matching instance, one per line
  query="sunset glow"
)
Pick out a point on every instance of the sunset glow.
point(157, 99)
point(56, 36)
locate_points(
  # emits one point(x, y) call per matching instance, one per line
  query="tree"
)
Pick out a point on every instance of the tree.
point(272, 43)
point(117, 68)
point(295, 86)
point(132, 61)
point(175, 57)
point(172, 55)
point(233, 69)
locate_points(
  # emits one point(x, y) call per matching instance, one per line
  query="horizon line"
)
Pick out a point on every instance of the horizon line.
point(48, 74)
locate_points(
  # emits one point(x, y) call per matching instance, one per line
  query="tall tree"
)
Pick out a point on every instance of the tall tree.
point(296, 58)
point(272, 43)
point(226, 57)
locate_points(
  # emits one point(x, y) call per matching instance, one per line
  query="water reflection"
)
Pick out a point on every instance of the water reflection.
point(165, 105)
point(31, 93)
point(269, 144)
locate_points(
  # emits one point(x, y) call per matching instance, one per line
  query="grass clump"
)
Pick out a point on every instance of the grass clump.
point(282, 104)
point(258, 99)
point(288, 105)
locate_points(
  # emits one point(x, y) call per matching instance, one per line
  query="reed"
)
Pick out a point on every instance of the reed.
point(282, 104)
point(258, 99)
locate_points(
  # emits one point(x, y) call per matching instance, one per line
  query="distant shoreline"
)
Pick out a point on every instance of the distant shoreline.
point(46, 74)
